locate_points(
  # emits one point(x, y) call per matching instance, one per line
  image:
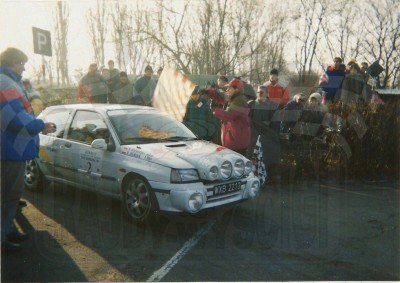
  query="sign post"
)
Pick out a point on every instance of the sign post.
point(42, 45)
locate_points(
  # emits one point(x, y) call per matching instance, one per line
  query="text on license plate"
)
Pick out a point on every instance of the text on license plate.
point(227, 188)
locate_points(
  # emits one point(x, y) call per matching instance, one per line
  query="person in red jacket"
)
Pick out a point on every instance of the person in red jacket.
point(235, 129)
point(277, 92)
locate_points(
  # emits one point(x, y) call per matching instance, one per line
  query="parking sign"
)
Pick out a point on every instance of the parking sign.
point(41, 41)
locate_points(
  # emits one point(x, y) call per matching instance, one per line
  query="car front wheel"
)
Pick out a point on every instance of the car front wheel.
point(139, 200)
point(33, 177)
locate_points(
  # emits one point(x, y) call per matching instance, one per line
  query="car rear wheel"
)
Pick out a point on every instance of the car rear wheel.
point(139, 200)
point(33, 177)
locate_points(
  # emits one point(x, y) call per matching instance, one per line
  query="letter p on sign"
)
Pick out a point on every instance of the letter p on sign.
point(41, 41)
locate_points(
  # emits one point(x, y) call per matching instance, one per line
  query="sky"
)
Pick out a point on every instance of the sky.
point(17, 17)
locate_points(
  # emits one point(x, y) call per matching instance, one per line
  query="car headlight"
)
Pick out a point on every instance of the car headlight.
point(213, 173)
point(184, 175)
point(226, 169)
point(238, 168)
point(248, 167)
point(195, 202)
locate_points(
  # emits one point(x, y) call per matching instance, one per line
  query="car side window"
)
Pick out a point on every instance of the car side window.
point(59, 117)
point(88, 126)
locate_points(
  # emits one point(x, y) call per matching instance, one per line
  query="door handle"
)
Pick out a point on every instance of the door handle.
point(67, 144)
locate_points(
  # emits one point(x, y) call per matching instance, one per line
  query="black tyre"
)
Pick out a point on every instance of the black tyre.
point(33, 178)
point(139, 201)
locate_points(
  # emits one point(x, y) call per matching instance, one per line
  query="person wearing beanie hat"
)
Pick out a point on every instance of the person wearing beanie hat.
point(315, 98)
point(199, 117)
point(123, 93)
point(235, 129)
point(277, 91)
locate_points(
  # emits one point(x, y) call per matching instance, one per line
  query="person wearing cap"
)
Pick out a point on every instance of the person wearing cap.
point(331, 80)
point(144, 88)
point(265, 125)
point(123, 93)
point(353, 89)
point(277, 91)
point(235, 128)
point(19, 137)
point(199, 117)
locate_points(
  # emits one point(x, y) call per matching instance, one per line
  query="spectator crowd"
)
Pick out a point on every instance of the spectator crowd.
point(228, 114)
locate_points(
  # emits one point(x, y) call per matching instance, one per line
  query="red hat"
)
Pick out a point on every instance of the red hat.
point(235, 83)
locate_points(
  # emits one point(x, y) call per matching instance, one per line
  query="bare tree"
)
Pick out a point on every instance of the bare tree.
point(309, 18)
point(98, 22)
point(382, 38)
point(341, 31)
point(210, 37)
point(119, 16)
point(268, 43)
point(61, 17)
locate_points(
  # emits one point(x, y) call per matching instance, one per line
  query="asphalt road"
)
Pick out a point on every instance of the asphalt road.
point(293, 232)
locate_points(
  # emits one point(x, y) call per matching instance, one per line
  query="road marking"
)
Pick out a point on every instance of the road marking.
point(102, 271)
point(166, 268)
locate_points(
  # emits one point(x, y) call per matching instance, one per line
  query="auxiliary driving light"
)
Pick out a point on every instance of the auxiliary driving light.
point(195, 202)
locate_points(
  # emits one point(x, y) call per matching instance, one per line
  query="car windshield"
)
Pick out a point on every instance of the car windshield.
point(135, 126)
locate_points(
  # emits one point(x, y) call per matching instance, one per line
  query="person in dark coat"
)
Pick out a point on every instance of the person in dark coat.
point(144, 88)
point(292, 112)
point(123, 93)
point(353, 87)
point(114, 76)
point(265, 124)
point(199, 117)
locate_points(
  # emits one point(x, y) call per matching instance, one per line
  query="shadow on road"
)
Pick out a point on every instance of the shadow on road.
point(32, 263)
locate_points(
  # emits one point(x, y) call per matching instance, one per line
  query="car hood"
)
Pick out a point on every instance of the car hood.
point(188, 154)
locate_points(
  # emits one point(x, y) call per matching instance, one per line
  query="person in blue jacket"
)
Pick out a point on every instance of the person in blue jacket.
point(19, 142)
point(331, 80)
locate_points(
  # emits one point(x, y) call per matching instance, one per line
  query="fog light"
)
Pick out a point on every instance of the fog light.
point(195, 202)
point(254, 190)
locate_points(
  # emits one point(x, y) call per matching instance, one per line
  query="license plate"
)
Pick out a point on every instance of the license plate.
point(227, 188)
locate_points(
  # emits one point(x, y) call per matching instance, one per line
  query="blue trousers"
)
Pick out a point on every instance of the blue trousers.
point(12, 183)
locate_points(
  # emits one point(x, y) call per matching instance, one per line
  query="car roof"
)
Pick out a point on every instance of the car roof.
point(102, 107)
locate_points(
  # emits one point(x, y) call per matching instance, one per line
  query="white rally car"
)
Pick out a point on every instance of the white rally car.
point(145, 158)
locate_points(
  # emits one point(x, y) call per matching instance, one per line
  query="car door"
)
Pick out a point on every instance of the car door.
point(88, 162)
point(52, 161)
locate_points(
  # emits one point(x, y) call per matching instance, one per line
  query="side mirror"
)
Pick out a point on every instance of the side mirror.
point(99, 144)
